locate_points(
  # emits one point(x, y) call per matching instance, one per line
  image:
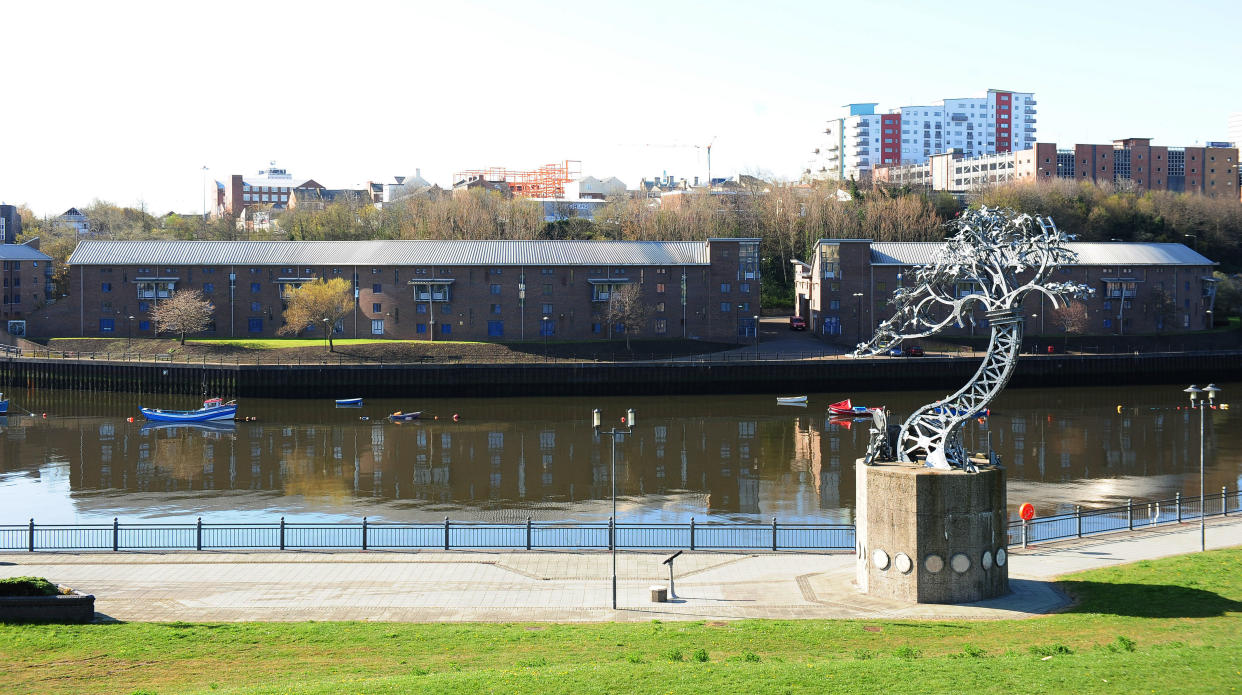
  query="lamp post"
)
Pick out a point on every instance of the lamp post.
point(756, 320)
point(628, 421)
point(543, 328)
point(859, 296)
point(1211, 390)
point(129, 343)
point(737, 318)
point(326, 328)
point(1195, 243)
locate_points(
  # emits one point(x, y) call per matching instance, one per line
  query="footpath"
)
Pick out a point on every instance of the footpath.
point(430, 586)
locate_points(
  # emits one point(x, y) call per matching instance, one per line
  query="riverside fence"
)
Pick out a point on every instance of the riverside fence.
point(541, 535)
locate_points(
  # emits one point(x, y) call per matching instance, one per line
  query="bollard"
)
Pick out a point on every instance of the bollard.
point(773, 534)
point(1130, 513)
point(528, 533)
point(1178, 501)
point(446, 533)
point(692, 533)
point(116, 534)
point(364, 533)
point(1078, 518)
point(282, 533)
point(198, 534)
point(30, 546)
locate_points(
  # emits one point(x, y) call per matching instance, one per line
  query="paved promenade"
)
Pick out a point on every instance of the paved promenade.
point(552, 586)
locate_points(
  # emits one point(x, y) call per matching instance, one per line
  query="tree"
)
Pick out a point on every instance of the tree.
point(626, 308)
point(1071, 318)
point(318, 303)
point(1162, 307)
point(184, 312)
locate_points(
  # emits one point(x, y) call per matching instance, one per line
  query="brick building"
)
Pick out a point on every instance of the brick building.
point(844, 291)
point(433, 290)
point(25, 282)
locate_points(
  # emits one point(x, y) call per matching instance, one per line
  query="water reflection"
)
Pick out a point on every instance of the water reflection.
point(731, 457)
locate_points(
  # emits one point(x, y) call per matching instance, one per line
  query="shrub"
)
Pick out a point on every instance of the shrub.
point(27, 586)
point(907, 652)
point(1050, 649)
point(863, 654)
point(1122, 644)
point(674, 655)
point(699, 655)
point(750, 657)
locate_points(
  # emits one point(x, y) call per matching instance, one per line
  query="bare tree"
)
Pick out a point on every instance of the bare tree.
point(1162, 307)
point(626, 308)
point(184, 312)
point(1071, 318)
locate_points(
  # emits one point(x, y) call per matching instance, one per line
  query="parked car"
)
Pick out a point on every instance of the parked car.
point(914, 351)
point(797, 323)
point(896, 351)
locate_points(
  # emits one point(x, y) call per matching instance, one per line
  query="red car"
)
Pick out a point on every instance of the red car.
point(797, 323)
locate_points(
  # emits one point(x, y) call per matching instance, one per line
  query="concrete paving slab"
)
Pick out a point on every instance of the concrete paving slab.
point(551, 586)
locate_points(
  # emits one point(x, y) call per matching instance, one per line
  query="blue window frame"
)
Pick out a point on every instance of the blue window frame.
point(597, 328)
point(420, 308)
point(254, 287)
point(1108, 323)
point(208, 287)
point(144, 325)
point(744, 288)
point(495, 289)
point(256, 306)
point(619, 328)
point(726, 306)
point(547, 328)
point(254, 325)
point(420, 328)
point(105, 287)
point(144, 306)
point(376, 308)
point(377, 288)
point(724, 288)
point(446, 328)
point(495, 329)
point(107, 325)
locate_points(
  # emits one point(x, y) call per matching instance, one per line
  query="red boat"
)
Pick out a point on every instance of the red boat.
point(846, 408)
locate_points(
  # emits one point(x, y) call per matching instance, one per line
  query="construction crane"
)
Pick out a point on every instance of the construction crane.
point(707, 147)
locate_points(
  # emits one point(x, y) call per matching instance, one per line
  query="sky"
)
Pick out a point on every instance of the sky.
point(127, 101)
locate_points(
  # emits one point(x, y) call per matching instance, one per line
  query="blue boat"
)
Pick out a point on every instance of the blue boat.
point(404, 417)
point(213, 409)
point(219, 426)
point(4, 404)
point(346, 402)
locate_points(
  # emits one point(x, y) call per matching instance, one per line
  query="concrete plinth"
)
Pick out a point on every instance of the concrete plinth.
point(931, 536)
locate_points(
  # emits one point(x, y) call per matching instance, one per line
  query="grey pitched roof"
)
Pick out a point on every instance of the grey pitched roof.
point(378, 253)
point(1089, 253)
point(22, 252)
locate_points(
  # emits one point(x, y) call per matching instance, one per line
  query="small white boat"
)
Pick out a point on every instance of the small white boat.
point(791, 400)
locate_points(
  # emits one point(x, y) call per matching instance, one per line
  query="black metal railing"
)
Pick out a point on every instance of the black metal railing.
point(446, 535)
point(542, 535)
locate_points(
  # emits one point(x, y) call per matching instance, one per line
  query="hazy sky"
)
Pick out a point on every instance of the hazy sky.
point(127, 101)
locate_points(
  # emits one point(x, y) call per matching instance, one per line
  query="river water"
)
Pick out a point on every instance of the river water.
point(708, 457)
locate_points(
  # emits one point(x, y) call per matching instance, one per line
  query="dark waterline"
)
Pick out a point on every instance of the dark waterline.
point(711, 457)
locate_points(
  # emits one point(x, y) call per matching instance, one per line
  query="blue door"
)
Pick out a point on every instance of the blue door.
point(495, 329)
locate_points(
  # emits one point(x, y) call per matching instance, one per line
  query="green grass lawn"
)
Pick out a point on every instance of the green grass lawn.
point(1168, 626)
point(277, 343)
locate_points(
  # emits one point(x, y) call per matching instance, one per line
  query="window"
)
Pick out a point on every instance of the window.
point(376, 308)
point(547, 327)
point(497, 271)
point(724, 288)
point(377, 288)
point(144, 325)
point(105, 287)
point(254, 325)
point(446, 328)
point(547, 308)
point(208, 288)
point(254, 288)
point(495, 329)
point(420, 309)
point(744, 288)
point(834, 304)
point(144, 306)
point(495, 288)
point(495, 309)
point(659, 288)
point(547, 271)
point(726, 306)
point(256, 306)
point(597, 327)
point(420, 328)
point(661, 326)
point(660, 307)
point(1108, 323)
point(547, 289)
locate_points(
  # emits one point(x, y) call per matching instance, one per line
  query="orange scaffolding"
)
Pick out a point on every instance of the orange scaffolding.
point(548, 181)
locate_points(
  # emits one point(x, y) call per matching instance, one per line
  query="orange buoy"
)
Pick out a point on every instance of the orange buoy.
point(45, 416)
point(129, 419)
point(455, 418)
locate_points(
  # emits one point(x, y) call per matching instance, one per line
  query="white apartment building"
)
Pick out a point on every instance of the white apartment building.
point(861, 139)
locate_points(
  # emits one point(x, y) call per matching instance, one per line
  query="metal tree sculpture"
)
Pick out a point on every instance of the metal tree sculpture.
point(995, 258)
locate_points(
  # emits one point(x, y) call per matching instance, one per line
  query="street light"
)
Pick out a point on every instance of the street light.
point(1194, 243)
point(326, 328)
point(543, 328)
point(859, 295)
point(129, 343)
point(1211, 390)
point(756, 320)
point(628, 421)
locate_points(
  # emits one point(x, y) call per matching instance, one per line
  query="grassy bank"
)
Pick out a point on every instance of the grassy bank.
point(1161, 626)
